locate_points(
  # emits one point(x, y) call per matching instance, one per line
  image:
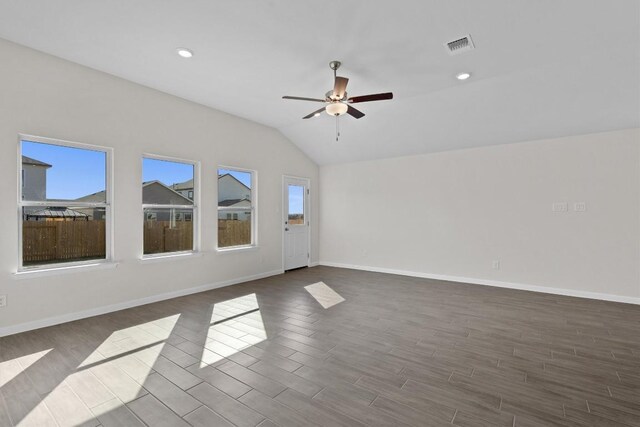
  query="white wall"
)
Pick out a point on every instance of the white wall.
point(453, 213)
point(46, 96)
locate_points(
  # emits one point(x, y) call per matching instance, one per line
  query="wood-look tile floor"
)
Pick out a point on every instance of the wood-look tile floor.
point(397, 351)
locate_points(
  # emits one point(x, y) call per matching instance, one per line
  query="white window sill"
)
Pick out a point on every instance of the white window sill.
point(150, 259)
point(236, 249)
point(63, 269)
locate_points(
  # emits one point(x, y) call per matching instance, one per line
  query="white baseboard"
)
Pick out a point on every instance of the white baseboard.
point(55, 320)
point(314, 264)
point(485, 282)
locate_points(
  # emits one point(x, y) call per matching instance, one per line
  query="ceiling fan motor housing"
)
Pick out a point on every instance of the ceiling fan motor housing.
point(331, 97)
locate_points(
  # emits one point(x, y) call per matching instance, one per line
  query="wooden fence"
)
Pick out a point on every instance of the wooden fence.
point(233, 233)
point(53, 241)
point(160, 237)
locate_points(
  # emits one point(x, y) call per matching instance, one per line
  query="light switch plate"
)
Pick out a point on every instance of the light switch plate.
point(3, 300)
point(560, 207)
point(580, 207)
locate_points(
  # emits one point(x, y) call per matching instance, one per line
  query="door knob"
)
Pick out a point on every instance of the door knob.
point(286, 229)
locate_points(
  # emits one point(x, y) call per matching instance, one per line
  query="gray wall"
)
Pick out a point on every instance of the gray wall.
point(452, 214)
point(47, 96)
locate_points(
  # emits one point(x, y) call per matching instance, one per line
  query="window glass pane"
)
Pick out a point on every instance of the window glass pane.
point(234, 228)
point(167, 230)
point(167, 183)
point(296, 204)
point(235, 207)
point(234, 188)
point(62, 234)
point(54, 172)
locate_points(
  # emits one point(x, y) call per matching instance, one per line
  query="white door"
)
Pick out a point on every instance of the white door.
point(296, 222)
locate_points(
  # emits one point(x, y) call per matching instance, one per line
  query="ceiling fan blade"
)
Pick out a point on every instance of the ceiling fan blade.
point(340, 87)
point(355, 113)
point(315, 113)
point(300, 98)
point(374, 97)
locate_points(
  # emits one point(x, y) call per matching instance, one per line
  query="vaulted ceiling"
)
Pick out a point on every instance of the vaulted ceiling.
point(543, 68)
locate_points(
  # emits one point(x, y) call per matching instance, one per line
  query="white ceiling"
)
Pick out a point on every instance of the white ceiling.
point(543, 68)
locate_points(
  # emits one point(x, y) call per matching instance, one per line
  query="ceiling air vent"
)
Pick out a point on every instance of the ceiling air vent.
point(458, 46)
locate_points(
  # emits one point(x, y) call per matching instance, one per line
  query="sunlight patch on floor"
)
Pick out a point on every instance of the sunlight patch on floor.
point(125, 342)
point(326, 296)
point(235, 325)
point(14, 367)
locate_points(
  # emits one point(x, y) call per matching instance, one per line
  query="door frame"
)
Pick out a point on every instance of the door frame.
point(284, 218)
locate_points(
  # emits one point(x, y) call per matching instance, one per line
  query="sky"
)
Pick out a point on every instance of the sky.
point(243, 177)
point(79, 172)
point(296, 199)
point(68, 165)
point(166, 172)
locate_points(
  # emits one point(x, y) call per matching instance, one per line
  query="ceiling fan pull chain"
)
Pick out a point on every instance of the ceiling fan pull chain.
point(337, 127)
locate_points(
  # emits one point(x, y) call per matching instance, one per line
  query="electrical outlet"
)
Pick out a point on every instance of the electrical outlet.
point(3, 300)
point(560, 207)
point(580, 207)
point(496, 264)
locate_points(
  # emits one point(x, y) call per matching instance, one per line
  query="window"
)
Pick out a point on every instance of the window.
point(168, 214)
point(64, 204)
point(236, 208)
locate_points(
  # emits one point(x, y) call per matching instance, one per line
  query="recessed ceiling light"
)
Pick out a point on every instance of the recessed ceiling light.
point(184, 52)
point(463, 76)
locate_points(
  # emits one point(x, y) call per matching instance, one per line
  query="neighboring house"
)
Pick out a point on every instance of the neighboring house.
point(153, 193)
point(229, 188)
point(231, 193)
point(97, 214)
point(184, 188)
point(235, 203)
point(34, 179)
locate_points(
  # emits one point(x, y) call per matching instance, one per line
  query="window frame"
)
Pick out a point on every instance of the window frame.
point(195, 207)
point(107, 204)
point(253, 209)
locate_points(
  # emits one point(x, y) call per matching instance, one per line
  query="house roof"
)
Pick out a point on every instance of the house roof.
point(231, 202)
point(30, 161)
point(100, 196)
point(187, 185)
point(153, 192)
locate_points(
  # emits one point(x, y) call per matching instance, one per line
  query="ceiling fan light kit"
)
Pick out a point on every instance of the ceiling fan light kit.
point(337, 100)
point(336, 108)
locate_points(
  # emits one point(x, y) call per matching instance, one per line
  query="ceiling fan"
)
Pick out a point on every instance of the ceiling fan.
point(337, 101)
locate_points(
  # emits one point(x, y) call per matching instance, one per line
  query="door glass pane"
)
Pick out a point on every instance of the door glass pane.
point(56, 234)
point(296, 204)
point(167, 230)
point(55, 172)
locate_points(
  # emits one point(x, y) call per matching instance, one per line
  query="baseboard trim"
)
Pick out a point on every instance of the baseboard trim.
point(314, 264)
point(56, 320)
point(485, 282)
